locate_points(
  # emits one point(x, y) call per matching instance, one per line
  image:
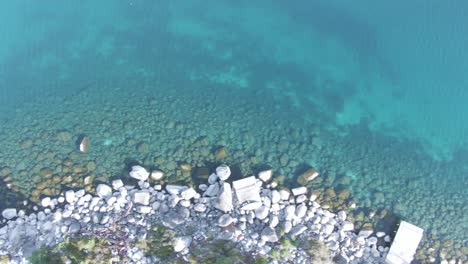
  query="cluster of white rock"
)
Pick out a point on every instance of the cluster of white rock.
point(242, 211)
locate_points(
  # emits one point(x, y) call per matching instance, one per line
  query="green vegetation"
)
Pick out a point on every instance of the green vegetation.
point(158, 243)
point(317, 251)
point(82, 250)
point(222, 252)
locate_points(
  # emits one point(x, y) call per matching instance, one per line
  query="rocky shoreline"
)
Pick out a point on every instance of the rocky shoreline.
point(274, 223)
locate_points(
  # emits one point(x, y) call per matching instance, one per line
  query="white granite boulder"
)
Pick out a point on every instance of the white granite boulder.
point(223, 172)
point(188, 194)
point(103, 190)
point(141, 197)
point(265, 175)
point(299, 190)
point(181, 243)
point(224, 199)
point(275, 196)
point(247, 190)
point(139, 173)
point(261, 212)
point(157, 175)
point(175, 189)
point(116, 184)
point(46, 202)
point(9, 213)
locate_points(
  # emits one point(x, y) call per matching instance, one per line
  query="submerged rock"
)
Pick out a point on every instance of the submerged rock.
point(84, 144)
point(307, 176)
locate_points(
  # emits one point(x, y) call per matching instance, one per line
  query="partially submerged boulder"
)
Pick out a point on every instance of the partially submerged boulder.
point(307, 176)
point(139, 173)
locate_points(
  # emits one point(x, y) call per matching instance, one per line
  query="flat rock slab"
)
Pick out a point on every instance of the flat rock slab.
point(247, 190)
point(405, 244)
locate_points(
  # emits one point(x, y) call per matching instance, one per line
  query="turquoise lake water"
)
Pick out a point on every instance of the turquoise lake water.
point(374, 91)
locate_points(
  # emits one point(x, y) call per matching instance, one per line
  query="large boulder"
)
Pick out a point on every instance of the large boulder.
point(224, 199)
point(223, 172)
point(139, 173)
point(9, 213)
point(103, 190)
point(247, 190)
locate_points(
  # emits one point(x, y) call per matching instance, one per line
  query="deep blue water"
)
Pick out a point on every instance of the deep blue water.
point(375, 91)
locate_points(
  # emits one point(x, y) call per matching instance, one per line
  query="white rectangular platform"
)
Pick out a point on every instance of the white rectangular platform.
point(405, 244)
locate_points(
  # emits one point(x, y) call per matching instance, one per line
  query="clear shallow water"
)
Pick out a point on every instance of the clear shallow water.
point(352, 90)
